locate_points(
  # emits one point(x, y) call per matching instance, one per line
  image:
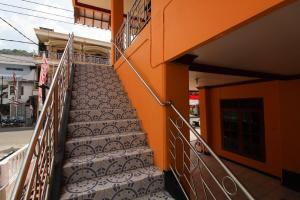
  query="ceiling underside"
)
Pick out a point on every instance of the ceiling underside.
point(96, 13)
point(92, 18)
point(270, 44)
point(203, 79)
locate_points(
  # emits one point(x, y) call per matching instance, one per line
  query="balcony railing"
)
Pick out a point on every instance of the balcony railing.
point(9, 168)
point(91, 59)
point(85, 58)
point(137, 18)
point(36, 173)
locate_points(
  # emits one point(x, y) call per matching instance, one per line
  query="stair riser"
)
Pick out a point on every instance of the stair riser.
point(92, 90)
point(91, 104)
point(95, 77)
point(102, 128)
point(93, 167)
point(95, 74)
point(92, 69)
point(117, 188)
point(112, 143)
point(95, 94)
point(98, 115)
point(98, 83)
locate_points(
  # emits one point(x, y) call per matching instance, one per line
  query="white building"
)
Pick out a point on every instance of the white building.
point(26, 77)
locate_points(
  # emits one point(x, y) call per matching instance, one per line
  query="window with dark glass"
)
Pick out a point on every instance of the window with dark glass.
point(242, 122)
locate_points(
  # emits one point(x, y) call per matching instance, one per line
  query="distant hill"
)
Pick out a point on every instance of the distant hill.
point(16, 52)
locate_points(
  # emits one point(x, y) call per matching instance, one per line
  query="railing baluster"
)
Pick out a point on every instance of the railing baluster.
point(55, 118)
point(38, 166)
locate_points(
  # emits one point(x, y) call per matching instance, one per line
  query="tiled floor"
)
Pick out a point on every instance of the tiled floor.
point(261, 186)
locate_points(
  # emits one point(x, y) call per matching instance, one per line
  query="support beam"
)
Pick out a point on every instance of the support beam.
point(237, 72)
point(117, 18)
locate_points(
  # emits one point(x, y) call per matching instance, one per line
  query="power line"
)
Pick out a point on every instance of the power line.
point(9, 40)
point(14, 6)
point(56, 20)
point(18, 31)
point(41, 4)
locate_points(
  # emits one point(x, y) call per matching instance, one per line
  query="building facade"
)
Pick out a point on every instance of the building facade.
point(19, 89)
point(240, 55)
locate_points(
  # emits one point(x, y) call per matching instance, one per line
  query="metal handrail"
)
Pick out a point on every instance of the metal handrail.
point(39, 159)
point(171, 105)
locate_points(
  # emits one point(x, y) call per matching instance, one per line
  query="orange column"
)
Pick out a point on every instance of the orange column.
point(117, 17)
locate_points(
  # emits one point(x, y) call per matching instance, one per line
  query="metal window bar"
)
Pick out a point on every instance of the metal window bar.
point(35, 175)
point(197, 174)
point(137, 18)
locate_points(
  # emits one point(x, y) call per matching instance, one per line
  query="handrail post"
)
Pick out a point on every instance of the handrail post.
point(127, 30)
point(55, 117)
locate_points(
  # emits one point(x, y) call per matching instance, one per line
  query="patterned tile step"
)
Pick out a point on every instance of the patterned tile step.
point(99, 100)
point(96, 88)
point(161, 195)
point(98, 115)
point(103, 102)
point(92, 94)
point(103, 143)
point(96, 74)
point(99, 78)
point(127, 185)
point(92, 68)
point(80, 168)
point(103, 70)
point(82, 67)
point(81, 129)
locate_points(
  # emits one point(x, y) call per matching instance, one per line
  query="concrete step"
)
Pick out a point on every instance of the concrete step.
point(80, 146)
point(82, 129)
point(99, 115)
point(127, 185)
point(80, 168)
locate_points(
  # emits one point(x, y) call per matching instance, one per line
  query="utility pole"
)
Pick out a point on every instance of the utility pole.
point(1, 90)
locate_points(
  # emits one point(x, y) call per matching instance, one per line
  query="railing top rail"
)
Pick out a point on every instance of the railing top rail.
point(169, 103)
point(34, 139)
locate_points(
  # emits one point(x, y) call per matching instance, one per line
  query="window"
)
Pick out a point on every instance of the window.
point(21, 90)
point(243, 127)
point(11, 90)
point(14, 69)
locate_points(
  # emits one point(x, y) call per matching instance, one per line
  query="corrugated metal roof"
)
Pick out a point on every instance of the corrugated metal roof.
point(16, 60)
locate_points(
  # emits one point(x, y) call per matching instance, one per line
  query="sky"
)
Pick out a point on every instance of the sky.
point(26, 24)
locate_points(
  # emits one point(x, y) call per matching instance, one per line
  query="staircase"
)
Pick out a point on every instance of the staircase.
point(106, 152)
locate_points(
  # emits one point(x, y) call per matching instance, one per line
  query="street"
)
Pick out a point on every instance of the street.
point(13, 138)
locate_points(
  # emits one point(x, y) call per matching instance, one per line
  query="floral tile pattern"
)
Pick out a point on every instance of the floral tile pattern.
point(106, 152)
point(103, 143)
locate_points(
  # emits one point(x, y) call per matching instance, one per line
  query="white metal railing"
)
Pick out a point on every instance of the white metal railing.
point(137, 18)
point(9, 168)
point(200, 176)
point(36, 172)
point(85, 58)
point(91, 59)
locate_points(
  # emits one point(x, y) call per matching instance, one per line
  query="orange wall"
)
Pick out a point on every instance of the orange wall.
point(152, 115)
point(290, 124)
point(183, 25)
point(175, 27)
point(282, 123)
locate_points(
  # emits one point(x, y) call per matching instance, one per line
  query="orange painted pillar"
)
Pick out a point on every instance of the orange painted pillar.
point(117, 17)
point(204, 107)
